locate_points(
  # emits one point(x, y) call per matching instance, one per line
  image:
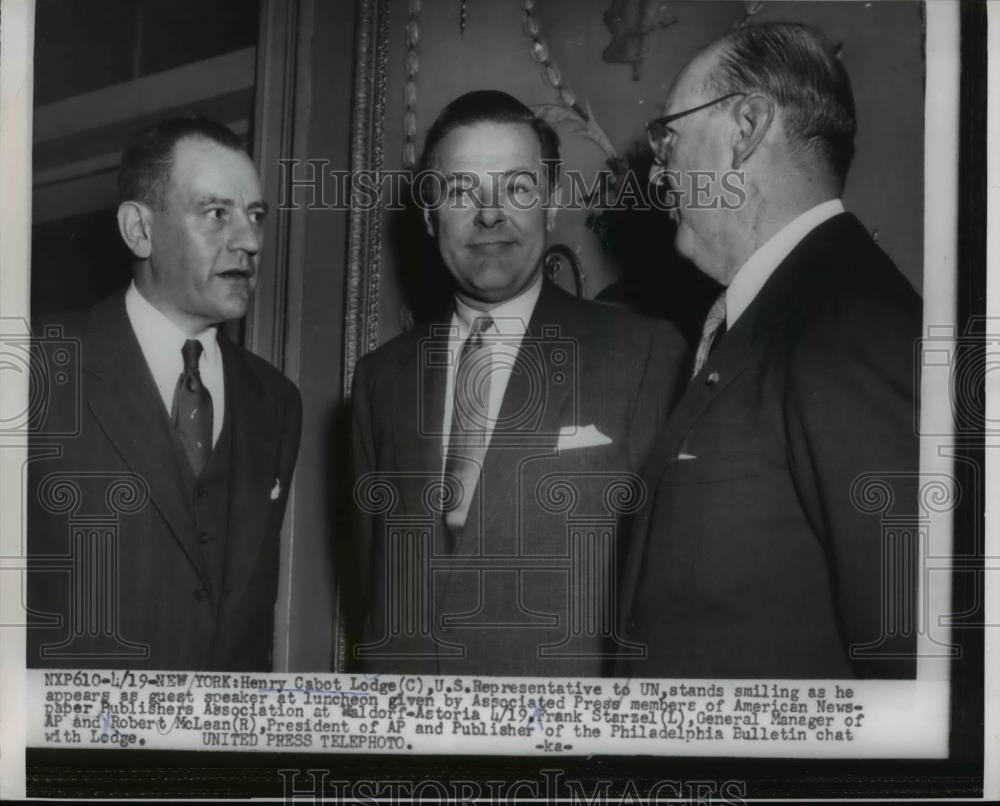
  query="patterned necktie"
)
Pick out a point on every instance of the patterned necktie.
point(716, 318)
point(469, 427)
point(192, 410)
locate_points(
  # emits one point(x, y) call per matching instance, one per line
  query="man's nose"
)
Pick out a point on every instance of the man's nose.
point(490, 212)
point(246, 236)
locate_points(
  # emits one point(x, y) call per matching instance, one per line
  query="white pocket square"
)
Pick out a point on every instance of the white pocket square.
point(276, 490)
point(570, 437)
point(686, 456)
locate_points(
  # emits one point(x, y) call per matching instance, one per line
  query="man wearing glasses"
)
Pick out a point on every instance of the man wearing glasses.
point(762, 552)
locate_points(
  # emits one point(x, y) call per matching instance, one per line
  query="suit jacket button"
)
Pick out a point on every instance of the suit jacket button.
point(204, 536)
point(200, 594)
point(712, 379)
point(200, 490)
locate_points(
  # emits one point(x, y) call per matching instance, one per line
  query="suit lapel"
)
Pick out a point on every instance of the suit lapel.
point(127, 405)
point(726, 364)
point(252, 466)
point(418, 413)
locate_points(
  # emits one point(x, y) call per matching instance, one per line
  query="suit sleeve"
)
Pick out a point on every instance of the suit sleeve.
point(850, 409)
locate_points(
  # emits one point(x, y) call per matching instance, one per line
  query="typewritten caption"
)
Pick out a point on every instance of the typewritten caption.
point(392, 713)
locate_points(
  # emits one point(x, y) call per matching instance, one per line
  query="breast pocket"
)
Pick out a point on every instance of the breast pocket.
point(717, 467)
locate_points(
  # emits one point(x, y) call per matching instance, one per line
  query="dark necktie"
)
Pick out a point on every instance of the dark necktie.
point(715, 327)
point(192, 409)
point(469, 427)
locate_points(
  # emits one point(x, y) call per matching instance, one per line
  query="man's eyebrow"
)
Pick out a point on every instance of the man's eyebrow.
point(525, 171)
point(206, 200)
point(255, 206)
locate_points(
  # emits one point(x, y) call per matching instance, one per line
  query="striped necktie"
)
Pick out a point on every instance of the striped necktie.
point(191, 412)
point(715, 319)
point(469, 426)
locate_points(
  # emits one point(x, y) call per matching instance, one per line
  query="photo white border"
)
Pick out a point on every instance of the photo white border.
point(991, 637)
point(17, 19)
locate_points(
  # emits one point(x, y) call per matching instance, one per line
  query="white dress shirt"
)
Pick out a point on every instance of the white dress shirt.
point(752, 275)
point(161, 342)
point(503, 337)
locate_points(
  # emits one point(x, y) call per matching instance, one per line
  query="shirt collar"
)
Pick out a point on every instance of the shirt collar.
point(157, 335)
point(510, 317)
point(755, 272)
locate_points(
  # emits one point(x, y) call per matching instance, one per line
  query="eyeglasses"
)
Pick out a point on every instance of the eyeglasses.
point(661, 136)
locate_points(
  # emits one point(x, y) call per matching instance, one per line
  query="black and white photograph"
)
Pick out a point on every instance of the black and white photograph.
point(580, 396)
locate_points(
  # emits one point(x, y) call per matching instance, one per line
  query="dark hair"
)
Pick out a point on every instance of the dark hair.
point(795, 66)
point(149, 155)
point(492, 106)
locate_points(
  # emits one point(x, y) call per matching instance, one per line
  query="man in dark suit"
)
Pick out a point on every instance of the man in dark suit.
point(779, 537)
point(497, 449)
point(154, 521)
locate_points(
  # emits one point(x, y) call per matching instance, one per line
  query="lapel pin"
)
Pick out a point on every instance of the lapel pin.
point(712, 379)
point(276, 490)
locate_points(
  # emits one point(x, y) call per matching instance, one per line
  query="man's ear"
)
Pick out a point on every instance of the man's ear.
point(754, 116)
point(135, 223)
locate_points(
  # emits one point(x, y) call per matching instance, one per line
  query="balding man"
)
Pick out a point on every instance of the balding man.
point(758, 554)
point(154, 529)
